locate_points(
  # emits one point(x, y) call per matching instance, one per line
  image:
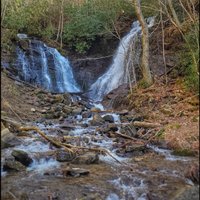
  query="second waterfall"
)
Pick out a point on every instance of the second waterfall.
point(124, 61)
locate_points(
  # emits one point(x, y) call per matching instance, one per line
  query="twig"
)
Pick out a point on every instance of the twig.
point(55, 143)
point(8, 105)
point(67, 147)
point(129, 137)
point(82, 59)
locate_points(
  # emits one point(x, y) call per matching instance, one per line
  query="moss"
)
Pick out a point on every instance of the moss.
point(183, 152)
point(143, 84)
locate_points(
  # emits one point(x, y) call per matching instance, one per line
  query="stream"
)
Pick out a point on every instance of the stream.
point(153, 174)
point(130, 171)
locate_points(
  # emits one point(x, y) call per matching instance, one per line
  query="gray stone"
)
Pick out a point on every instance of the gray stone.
point(113, 127)
point(8, 139)
point(123, 112)
point(67, 109)
point(86, 114)
point(97, 120)
point(77, 111)
point(13, 165)
point(94, 109)
point(132, 148)
point(109, 118)
point(64, 156)
point(88, 158)
point(22, 157)
point(75, 172)
point(190, 193)
point(24, 44)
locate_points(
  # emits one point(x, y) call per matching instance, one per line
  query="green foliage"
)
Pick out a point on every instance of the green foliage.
point(183, 152)
point(143, 84)
point(189, 67)
point(160, 133)
point(88, 21)
point(6, 36)
point(83, 22)
point(149, 8)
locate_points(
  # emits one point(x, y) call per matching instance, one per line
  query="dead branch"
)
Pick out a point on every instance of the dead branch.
point(68, 147)
point(11, 122)
point(42, 134)
point(130, 138)
point(82, 59)
point(145, 124)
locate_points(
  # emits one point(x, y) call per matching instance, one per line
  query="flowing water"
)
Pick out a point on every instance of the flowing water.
point(153, 174)
point(125, 60)
point(156, 173)
point(46, 67)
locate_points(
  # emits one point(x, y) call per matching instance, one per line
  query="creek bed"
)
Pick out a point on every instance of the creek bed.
point(155, 174)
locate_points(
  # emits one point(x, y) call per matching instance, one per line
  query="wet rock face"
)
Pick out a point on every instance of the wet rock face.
point(8, 139)
point(109, 118)
point(117, 98)
point(87, 71)
point(88, 158)
point(64, 156)
point(97, 120)
point(193, 173)
point(13, 165)
point(75, 172)
point(22, 157)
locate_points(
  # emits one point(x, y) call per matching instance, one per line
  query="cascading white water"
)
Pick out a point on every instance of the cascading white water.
point(117, 73)
point(45, 74)
point(45, 66)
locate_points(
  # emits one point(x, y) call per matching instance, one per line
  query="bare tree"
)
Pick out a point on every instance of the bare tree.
point(145, 44)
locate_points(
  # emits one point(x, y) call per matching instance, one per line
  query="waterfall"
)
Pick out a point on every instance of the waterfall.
point(119, 71)
point(44, 66)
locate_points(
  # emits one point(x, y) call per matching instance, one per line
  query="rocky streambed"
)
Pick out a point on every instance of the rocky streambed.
point(32, 168)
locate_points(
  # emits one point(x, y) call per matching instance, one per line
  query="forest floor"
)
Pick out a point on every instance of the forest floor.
point(171, 105)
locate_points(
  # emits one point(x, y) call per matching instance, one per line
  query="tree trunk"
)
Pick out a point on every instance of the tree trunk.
point(145, 44)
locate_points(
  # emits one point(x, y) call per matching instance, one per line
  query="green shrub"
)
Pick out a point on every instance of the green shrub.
point(189, 67)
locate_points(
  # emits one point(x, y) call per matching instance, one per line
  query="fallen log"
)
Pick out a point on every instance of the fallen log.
point(11, 122)
point(130, 138)
point(145, 124)
point(42, 134)
point(68, 147)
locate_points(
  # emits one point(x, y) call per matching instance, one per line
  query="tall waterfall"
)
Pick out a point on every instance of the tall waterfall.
point(45, 66)
point(126, 56)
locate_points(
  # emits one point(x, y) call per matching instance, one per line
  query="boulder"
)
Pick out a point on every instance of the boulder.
point(94, 109)
point(13, 165)
point(8, 139)
point(24, 44)
point(123, 112)
point(192, 173)
point(67, 110)
point(67, 99)
point(22, 157)
point(109, 118)
point(109, 127)
point(77, 111)
point(86, 114)
point(97, 120)
point(75, 172)
point(87, 158)
point(132, 148)
point(64, 156)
